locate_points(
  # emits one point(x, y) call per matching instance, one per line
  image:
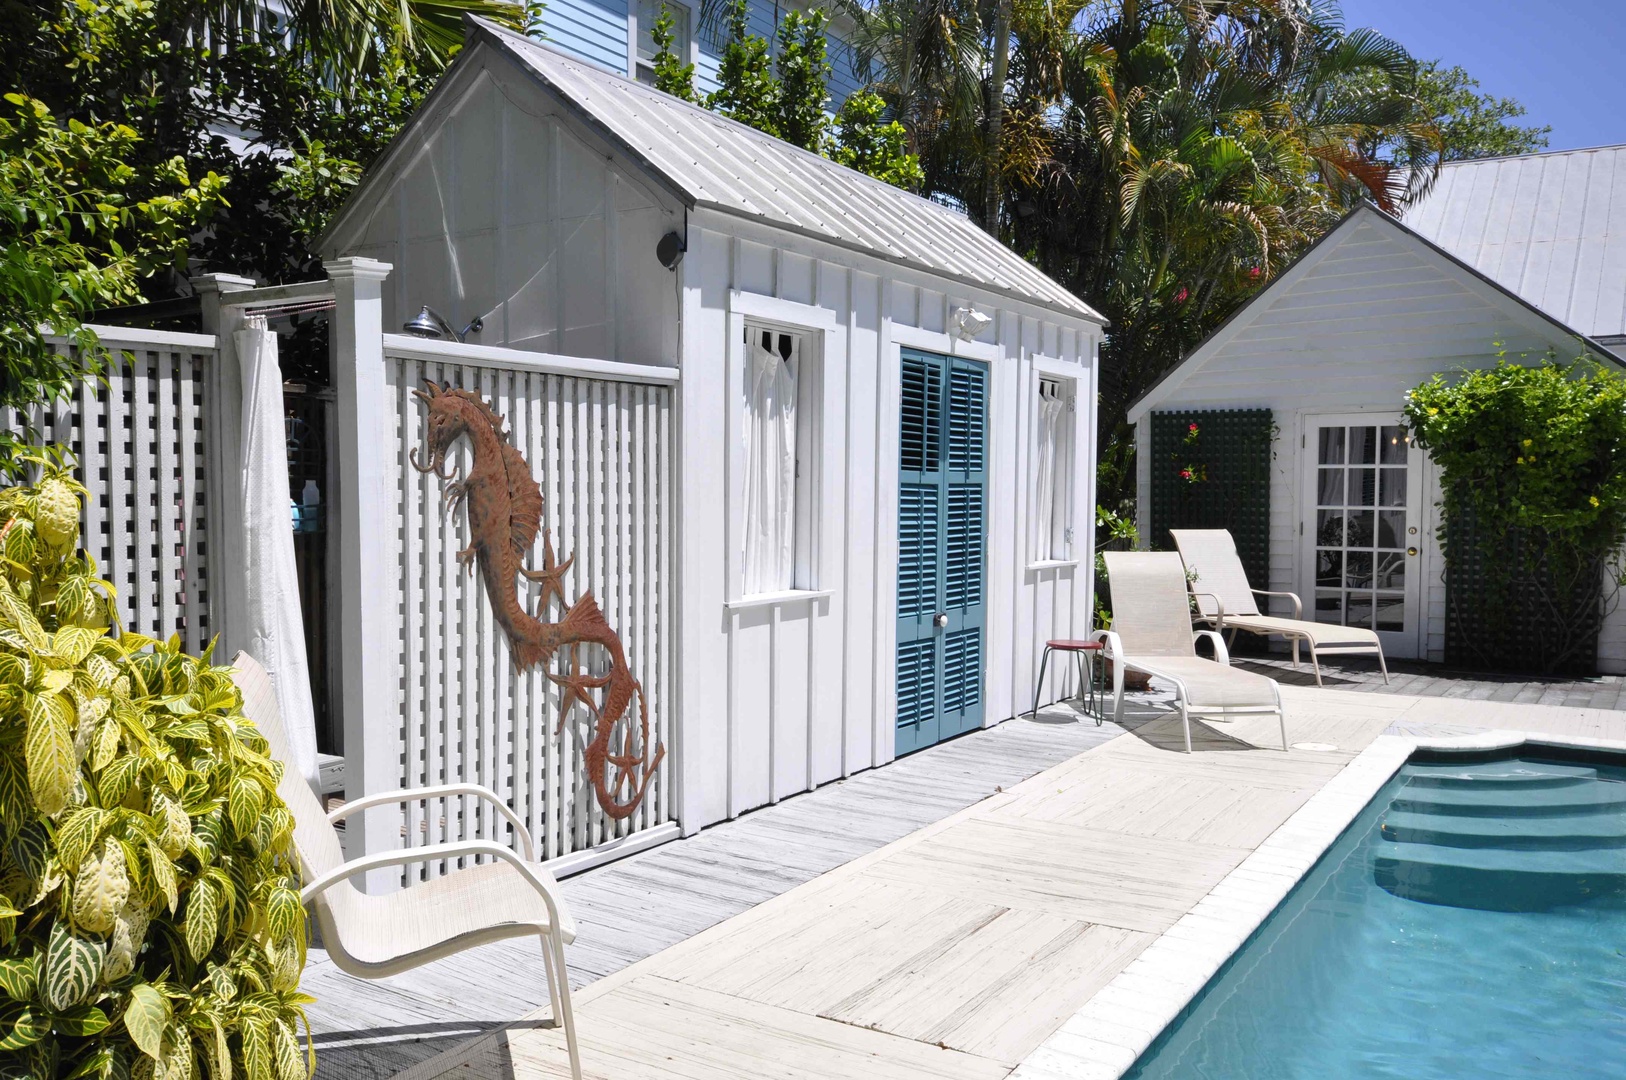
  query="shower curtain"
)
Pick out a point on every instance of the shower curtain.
point(1044, 508)
point(276, 632)
point(770, 462)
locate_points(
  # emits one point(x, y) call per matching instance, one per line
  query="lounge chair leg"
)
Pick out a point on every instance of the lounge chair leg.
point(1295, 654)
point(1315, 661)
point(1185, 721)
point(569, 1017)
point(553, 980)
point(1384, 667)
point(1118, 692)
point(1038, 687)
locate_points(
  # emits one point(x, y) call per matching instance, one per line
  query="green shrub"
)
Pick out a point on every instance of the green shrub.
point(150, 923)
point(1533, 496)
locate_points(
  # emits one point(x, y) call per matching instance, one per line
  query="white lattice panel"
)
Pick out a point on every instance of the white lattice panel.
point(139, 434)
point(600, 451)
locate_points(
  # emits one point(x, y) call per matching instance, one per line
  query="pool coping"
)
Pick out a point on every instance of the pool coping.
point(1108, 1034)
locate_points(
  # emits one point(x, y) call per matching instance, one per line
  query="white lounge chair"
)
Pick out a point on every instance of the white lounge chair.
point(1226, 601)
point(1151, 632)
point(374, 935)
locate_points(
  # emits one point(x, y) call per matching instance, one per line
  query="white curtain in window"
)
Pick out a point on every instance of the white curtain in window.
point(276, 632)
point(1051, 406)
point(770, 462)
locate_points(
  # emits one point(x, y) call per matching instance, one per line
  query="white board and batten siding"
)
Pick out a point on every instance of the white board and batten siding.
point(141, 433)
point(499, 206)
point(598, 440)
point(1368, 315)
point(786, 692)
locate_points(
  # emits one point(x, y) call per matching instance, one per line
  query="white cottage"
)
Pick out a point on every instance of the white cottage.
point(1523, 254)
point(882, 428)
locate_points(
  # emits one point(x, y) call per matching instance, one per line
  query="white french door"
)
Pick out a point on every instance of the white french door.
point(1362, 527)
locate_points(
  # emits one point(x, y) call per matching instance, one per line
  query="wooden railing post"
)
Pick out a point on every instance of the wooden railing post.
point(368, 630)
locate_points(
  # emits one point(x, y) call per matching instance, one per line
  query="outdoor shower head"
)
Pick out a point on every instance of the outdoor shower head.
point(429, 323)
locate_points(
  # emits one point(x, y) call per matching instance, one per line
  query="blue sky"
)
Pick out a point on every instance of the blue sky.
point(1564, 59)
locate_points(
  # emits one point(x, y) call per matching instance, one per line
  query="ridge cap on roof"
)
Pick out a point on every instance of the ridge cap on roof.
point(1533, 154)
point(610, 101)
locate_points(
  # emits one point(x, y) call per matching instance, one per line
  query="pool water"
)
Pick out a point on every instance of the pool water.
point(1469, 924)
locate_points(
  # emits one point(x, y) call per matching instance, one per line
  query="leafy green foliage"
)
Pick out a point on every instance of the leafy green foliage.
point(149, 913)
point(74, 237)
point(869, 142)
point(1474, 124)
point(746, 88)
point(672, 75)
point(1532, 465)
point(317, 96)
point(804, 76)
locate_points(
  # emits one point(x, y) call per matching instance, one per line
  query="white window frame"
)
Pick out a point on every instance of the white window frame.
point(814, 327)
point(633, 28)
point(1061, 548)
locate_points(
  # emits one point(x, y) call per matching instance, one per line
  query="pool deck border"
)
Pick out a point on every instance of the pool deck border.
point(1109, 1033)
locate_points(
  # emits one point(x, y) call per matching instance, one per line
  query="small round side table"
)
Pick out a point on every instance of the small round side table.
point(1084, 653)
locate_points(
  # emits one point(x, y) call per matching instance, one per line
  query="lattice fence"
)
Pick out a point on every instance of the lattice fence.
point(1217, 477)
point(1497, 622)
point(140, 434)
point(601, 451)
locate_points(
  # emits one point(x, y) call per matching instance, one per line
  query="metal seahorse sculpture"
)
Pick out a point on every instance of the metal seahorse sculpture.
point(502, 507)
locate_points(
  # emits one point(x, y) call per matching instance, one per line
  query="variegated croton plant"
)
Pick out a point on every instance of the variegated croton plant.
point(150, 923)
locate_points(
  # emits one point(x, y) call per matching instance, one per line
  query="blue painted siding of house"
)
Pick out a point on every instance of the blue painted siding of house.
point(596, 31)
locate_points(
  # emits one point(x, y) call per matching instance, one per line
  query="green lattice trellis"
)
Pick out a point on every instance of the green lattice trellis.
point(1228, 458)
point(1500, 623)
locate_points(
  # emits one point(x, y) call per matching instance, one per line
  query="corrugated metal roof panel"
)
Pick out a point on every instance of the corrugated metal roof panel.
point(730, 167)
point(1549, 227)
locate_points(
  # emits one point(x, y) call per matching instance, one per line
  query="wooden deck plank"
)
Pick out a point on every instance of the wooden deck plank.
point(653, 1026)
point(1000, 990)
point(1066, 870)
point(640, 906)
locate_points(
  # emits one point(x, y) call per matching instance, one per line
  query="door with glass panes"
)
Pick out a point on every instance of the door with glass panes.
point(942, 543)
point(1362, 528)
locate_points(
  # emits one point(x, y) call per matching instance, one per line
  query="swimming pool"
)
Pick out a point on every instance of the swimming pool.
point(1469, 923)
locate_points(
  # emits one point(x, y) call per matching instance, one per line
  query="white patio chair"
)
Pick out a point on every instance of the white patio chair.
point(1226, 601)
point(370, 935)
point(1151, 632)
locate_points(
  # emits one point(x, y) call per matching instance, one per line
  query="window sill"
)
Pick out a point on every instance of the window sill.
point(772, 599)
point(1052, 564)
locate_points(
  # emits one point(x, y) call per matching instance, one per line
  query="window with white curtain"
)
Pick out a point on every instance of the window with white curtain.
point(1053, 471)
point(778, 438)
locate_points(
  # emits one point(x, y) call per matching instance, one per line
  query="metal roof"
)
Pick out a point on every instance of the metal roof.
point(1550, 228)
point(714, 162)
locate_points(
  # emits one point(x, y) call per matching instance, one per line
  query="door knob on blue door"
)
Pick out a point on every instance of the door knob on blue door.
point(940, 619)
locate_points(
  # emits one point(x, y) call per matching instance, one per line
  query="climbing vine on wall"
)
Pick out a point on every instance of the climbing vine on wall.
point(1532, 462)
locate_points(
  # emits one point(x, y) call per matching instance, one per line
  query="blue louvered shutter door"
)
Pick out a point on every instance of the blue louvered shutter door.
point(920, 550)
point(965, 526)
point(942, 515)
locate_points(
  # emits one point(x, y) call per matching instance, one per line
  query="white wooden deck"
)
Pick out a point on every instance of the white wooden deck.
point(955, 951)
point(634, 908)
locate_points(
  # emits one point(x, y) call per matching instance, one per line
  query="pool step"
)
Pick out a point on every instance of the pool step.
point(1498, 879)
point(1505, 800)
point(1504, 835)
point(1503, 776)
point(1554, 832)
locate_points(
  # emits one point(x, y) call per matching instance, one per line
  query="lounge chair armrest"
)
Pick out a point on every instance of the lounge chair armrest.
point(1298, 605)
point(1219, 608)
point(442, 791)
point(1222, 655)
point(534, 873)
point(1112, 646)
